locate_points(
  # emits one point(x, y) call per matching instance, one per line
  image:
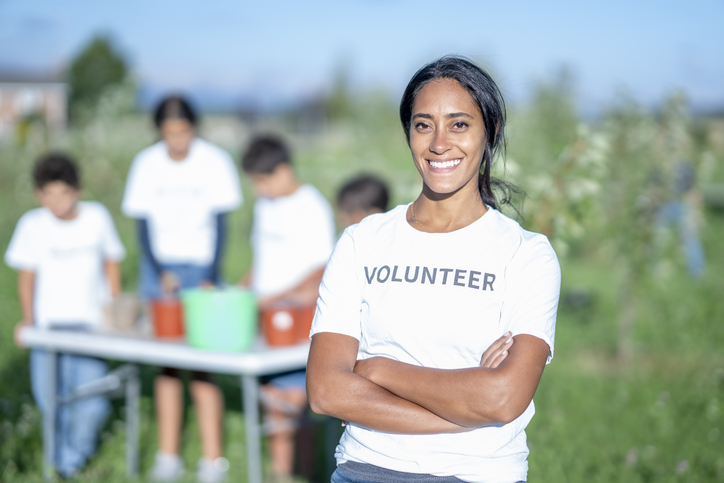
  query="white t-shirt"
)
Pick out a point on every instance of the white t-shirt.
point(180, 199)
point(67, 257)
point(443, 298)
point(291, 236)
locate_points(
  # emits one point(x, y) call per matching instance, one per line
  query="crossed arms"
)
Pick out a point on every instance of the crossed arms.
point(394, 397)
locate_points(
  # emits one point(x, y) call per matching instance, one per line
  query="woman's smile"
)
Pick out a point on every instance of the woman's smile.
point(444, 165)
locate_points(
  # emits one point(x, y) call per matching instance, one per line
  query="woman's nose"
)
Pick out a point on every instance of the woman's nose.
point(440, 142)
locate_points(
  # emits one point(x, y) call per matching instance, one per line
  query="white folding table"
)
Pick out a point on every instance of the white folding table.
point(138, 348)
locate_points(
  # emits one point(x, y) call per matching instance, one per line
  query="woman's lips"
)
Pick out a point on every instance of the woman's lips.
point(446, 164)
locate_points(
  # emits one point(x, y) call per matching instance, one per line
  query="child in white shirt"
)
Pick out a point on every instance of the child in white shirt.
point(180, 190)
point(292, 237)
point(67, 254)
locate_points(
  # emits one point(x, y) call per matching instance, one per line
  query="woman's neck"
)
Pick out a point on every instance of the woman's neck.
point(436, 213)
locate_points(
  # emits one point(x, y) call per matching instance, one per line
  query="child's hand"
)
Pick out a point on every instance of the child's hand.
point(16, 334)
point(497, 352)
point(169, 282)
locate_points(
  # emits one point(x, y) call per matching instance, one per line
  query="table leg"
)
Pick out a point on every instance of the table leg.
point(49, 417)
point(133, 394)
point(250, 388)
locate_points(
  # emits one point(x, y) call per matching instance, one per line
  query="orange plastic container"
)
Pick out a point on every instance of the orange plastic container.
point(168, 317)
point(286, 323)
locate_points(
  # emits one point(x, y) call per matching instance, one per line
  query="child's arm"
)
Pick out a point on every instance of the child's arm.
point(215, 267)
point(305, 291)
point(26, 288)
point(246, 279)
point(113, 274)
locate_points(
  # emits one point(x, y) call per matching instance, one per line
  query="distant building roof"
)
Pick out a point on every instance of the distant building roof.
point(18, 77)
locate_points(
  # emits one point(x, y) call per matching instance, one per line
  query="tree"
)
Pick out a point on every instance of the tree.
point(98, 66)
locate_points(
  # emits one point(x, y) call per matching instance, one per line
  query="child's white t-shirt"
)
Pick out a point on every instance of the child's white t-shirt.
point(180, 199)
point(439, 300)
point(67, 257)
point(291, 236)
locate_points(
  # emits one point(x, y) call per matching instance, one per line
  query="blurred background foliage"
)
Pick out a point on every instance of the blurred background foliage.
point(94, 69)
point(635, 390)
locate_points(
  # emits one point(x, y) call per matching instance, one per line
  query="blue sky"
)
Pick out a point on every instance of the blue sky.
point(285, 49)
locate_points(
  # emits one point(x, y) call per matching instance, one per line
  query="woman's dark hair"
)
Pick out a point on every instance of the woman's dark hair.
point(55, 167)
point(363, 193)
point(264, 154)
point(487, 97)
point(174, 107)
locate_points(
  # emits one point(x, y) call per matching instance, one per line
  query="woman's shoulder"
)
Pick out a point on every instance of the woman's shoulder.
point(524, 243)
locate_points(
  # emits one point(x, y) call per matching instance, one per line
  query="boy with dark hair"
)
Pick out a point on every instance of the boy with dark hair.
point(67, 254)
point(292, 237)
point(293, 228)
point(359, 197)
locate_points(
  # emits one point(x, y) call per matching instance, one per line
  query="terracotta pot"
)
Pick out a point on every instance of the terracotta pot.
point(167, 316)
point(286, 323)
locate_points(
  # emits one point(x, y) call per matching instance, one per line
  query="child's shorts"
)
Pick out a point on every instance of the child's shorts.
point(288, 380)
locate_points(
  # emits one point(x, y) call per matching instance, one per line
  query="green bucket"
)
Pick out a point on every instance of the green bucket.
point(220, 319)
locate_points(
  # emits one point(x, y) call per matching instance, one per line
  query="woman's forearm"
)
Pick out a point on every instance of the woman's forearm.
point(471, 397)
point(334, 390)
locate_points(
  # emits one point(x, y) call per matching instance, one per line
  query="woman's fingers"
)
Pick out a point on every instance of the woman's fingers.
point(497, 352)
point(501, 357)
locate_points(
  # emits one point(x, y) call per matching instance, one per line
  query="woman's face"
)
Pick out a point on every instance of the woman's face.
point(447, 137)
point(177, 134)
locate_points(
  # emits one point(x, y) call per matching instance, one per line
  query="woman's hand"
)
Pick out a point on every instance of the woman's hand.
point(497, 352)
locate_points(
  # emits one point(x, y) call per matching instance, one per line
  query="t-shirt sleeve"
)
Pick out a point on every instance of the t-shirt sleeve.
point(339, 303)
point(137, 201)
point(22, 251)
point(533, 282)
point(226, 192)
point(111, 245)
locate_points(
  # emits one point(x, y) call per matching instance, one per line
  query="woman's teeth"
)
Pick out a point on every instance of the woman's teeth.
point(445, 164)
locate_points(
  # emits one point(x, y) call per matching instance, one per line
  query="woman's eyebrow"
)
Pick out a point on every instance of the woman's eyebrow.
point(452, 115)
point(459, 114)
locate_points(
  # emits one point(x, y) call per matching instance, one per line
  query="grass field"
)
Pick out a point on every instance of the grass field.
point(656, 417)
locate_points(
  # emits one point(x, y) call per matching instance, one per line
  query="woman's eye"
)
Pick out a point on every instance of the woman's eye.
point(421, 126)
point(460, 125)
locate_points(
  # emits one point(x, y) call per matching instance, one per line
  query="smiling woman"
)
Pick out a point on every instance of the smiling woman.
point(436, 374)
